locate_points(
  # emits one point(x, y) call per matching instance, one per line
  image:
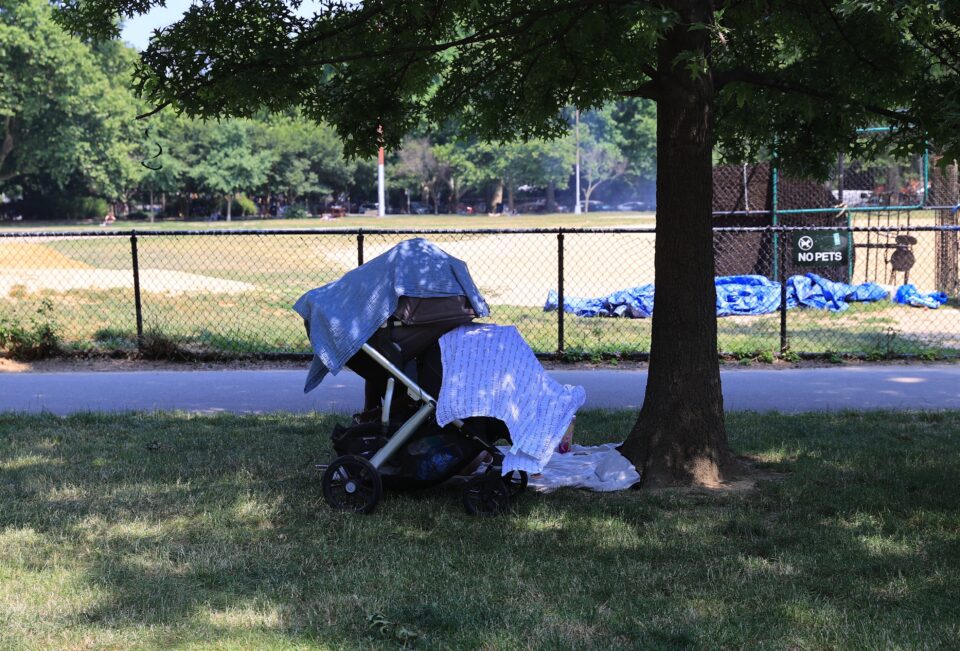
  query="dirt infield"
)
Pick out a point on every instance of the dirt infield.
point(521, 269)
point(17, 255)
point(29, 267)
point(162, 281)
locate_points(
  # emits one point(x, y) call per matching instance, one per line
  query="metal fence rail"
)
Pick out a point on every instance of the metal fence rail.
point(230, 292)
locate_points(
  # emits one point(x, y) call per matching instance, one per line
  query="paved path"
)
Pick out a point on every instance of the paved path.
point(788, 390)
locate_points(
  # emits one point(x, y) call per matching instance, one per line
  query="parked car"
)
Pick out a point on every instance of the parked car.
point(419, 208)
point(595, 206)
point(633, 206)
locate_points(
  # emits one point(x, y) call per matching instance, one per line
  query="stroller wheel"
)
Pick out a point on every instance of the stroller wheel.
point(351, 483)
point(516, 482)
point(486, 495)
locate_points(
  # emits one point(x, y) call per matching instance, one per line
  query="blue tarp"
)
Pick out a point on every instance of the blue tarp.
point(823, 294)
point(747, 294)
point(633, 303)
point(909, 295)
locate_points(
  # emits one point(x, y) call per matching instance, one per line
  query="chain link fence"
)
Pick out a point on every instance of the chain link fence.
point(230, 292)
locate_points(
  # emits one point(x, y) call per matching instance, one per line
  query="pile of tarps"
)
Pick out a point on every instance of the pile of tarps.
point(910, 295)
point(747, 294)
point(633, 303)
point(820, 293)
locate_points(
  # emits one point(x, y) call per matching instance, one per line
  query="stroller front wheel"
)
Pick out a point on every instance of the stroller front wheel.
point(516, 482)
point(351, 483)
point(486, 495)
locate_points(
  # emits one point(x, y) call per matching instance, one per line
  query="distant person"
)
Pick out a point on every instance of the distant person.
point(108, 219)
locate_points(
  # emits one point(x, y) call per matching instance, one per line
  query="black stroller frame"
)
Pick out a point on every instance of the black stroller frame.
point(352, 482)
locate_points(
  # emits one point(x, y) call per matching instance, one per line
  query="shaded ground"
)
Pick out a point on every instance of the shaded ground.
point(173, 531)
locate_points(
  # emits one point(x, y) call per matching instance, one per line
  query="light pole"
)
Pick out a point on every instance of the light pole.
point(576, 203)
point(381, 202)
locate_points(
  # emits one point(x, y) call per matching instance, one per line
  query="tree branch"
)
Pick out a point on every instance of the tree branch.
point(155, 110)
point(647, 90)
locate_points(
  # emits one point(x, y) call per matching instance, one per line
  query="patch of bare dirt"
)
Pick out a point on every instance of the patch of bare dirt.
point(151, 280)
point(108, 364)
point(748, 479)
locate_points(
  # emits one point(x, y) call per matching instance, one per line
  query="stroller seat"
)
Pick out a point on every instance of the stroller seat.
point(408, 340)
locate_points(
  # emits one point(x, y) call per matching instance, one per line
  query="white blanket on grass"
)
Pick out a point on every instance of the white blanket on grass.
point(489, 370)
point(597, 468)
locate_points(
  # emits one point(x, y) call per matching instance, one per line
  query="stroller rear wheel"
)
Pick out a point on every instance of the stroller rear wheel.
point(486, 495)
point(351, 483)
point(516, 482)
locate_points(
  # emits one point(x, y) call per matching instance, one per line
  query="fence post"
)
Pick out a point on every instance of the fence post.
point(560, 292)
point(782, 277)
point(360, 247)
point(138, 306)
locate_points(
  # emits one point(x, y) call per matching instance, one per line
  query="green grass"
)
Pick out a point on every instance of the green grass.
point(171, 531)
point(262, 321)
point(553, 220)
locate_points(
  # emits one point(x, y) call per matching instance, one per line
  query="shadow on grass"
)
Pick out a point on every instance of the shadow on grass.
point(170, 529)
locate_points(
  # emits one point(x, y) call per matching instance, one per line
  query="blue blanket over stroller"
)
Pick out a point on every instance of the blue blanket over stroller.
point(341, 316)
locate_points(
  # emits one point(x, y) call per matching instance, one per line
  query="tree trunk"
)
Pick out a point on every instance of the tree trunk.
point(7, 145)
point(586, 194)
point(510, 203)
point(679, 437)
point(551, 197)
point(229, 207)
point(893, 183)
point(497, 197)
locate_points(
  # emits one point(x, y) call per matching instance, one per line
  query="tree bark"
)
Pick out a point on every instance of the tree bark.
point(586, 194)
point(497, 197)
point(229, 207)
point(7, 145)
point(551, 197)
point(679, 437)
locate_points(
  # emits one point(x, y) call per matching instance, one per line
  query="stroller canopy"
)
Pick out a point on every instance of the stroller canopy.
point(341, 316)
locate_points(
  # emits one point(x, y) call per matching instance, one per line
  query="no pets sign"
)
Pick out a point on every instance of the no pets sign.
point(819, 248)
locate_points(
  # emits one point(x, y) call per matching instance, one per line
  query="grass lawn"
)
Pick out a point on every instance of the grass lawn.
point(171, 531)
point(553, 220)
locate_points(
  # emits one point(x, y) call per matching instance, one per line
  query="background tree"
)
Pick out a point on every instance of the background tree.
point(418, 165)
point(306, 160)
point(164, 172)
point(738, 73)
point(539, 163)
point(66, 121)
point(462, 172)
point(231, 165)
point(601, 159)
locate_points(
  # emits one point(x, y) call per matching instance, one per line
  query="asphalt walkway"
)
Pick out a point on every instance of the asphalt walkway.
point(900, 387)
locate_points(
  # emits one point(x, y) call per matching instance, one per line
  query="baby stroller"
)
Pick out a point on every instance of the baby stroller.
point(395, 442)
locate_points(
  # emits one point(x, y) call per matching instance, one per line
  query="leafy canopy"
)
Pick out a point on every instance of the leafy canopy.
point(64, 119)
point(804, 74)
